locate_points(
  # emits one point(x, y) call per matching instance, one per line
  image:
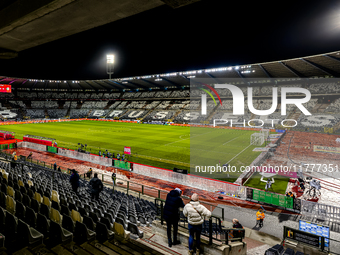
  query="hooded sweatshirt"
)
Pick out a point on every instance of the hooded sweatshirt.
point(172, 203)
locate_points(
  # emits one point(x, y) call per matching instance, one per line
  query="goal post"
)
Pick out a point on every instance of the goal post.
point(257, 139)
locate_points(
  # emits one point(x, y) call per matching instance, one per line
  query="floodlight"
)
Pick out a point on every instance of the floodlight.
point(110, 59)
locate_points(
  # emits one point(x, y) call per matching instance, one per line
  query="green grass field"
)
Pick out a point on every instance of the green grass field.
point(279, 186)
point(156, 145)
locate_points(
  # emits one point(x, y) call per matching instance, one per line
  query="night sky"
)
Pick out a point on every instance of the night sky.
point(205, 34)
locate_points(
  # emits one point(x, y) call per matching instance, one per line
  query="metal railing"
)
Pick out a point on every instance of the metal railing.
point(214, 232)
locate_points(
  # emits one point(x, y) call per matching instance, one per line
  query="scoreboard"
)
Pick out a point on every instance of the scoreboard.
point(5, 88)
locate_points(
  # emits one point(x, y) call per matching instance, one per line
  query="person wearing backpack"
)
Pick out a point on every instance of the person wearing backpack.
point(195, 212)
point(96, 186)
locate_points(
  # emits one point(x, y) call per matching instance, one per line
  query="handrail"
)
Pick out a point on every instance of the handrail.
point(228, 233)
point(128, 187)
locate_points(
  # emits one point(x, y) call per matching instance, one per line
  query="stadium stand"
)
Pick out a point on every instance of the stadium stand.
point(41, 205)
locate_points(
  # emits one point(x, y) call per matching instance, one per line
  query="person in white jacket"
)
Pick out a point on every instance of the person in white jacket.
point(195, 212)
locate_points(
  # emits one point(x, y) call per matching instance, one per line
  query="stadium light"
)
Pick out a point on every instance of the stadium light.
point(110, 59)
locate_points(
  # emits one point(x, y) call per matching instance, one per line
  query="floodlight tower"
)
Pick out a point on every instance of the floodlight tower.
point(110, 59)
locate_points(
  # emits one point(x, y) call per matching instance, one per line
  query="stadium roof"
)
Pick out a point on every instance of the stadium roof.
point(318, 66)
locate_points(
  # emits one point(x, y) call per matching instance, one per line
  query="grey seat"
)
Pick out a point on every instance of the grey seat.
point(59, 235)
point(28, 235)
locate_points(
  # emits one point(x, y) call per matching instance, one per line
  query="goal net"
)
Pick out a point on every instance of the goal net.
point(257, 139)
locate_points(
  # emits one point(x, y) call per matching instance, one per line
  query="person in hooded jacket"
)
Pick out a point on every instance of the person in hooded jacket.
point(171, 214)
point(195, 212)
point(74, 180)
point(96, 186)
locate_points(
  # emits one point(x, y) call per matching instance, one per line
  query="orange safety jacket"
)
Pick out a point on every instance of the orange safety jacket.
point(259, 215)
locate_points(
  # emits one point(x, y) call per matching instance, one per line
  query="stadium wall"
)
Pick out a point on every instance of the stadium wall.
point(191, 180)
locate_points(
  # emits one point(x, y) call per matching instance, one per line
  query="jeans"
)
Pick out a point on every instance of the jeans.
point(192, 230)
point(173, 223)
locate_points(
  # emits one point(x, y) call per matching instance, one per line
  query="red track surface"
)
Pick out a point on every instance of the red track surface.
point(151, 185)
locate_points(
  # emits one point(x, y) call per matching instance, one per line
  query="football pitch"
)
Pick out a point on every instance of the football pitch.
point(156, 145)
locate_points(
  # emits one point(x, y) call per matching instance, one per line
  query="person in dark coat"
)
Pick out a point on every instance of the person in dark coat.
point(171, 214)
point(236, 224)
point(96, 186)
point(74, 180)
point(55, 166)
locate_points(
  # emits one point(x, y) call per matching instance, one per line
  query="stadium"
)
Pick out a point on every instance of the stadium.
point(243, 137)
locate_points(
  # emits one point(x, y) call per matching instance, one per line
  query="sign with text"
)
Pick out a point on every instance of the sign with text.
point(127, 150)
point(315, 229)
point(301, 236)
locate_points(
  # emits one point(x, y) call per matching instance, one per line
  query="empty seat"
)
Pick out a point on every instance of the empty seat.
point(43, 224)
point(35, 205)
point(134, 229)
point(28, 235)
point(64, 210)
point(10, 191)
point(11, 224)
point(46, 201)
point(2, 220)
point(26, 200)
point(83, 234)
point(38, 197)
point(59, 235)
point(89, 223)
point(68, 223)
point(102, 233)
point(10, 204)
point(3, 200)
point(76, 216)
point(55, 205)
point(45, 210)
point(55, 216)
point(30, 217)
point(18, 195)
point(20, 210)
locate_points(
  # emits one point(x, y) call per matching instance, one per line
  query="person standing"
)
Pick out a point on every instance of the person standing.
point(259, 218)
point(96, 186)
point(74, 180)
point(55, 166)
point(171, 214)
point(89, 173)
point(195, 212)
point(114, 178)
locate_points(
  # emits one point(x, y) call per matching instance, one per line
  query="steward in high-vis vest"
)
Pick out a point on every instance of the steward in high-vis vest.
point(259, 218)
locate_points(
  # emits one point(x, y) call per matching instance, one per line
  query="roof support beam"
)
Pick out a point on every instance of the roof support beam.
point(292, 70)
point(174, 83)
point(265, 71)
point(153, 83)
point(323, 69)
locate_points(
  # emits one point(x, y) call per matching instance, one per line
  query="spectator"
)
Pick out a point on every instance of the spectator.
point(89, 173)
point(74, 180)
point(59, 170)
point(30, 155)
point(100, 153)
point(236, 224)
point(195, 212)
point(259, 218)
point(113, 178)
point(14, 162)
point(55, 166)
point(96, 186)
point(171, 214)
